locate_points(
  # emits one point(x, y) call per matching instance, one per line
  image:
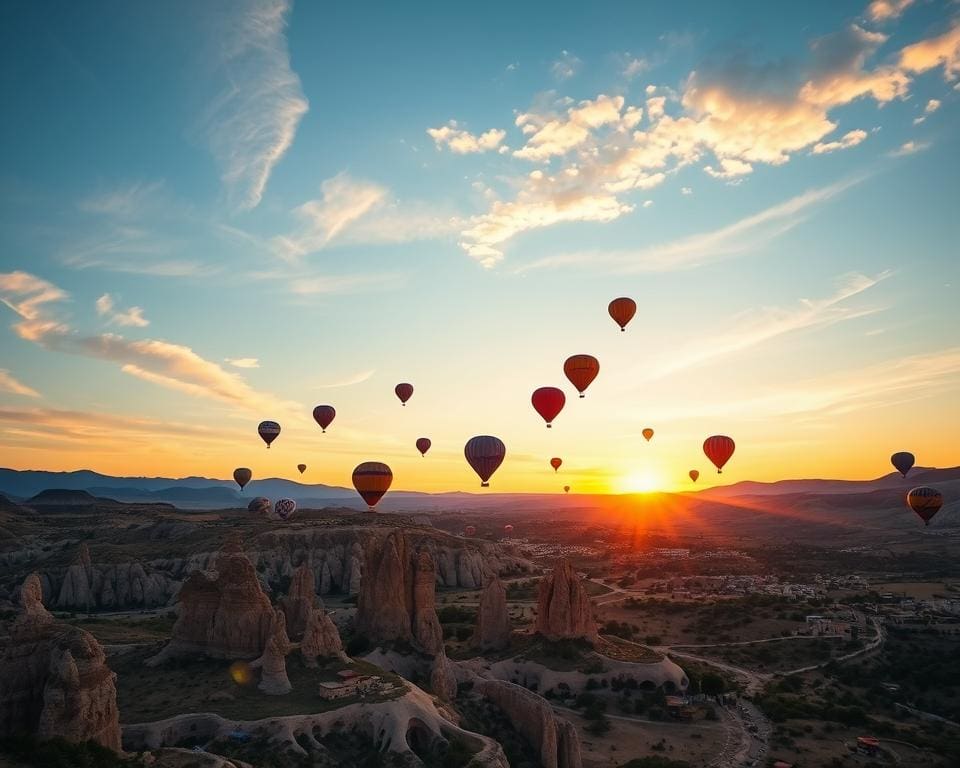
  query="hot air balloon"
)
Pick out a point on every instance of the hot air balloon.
point(324, 416)
point(925, 501)
point(372, 479)
point(719, 449)
point(903, 461)
point(404, 392)
point(581, 370)
point(484, 453)
point(622, 311)
point(284, 508)
point(548, 402)
point(566, 489)
point(647, 433)
point(694, 474)
point(242, 476)
point(470, 530)
point(555, 462)
point(508, 528)
point(268, 431)
point(302, 468)
point(260, 505)
point(423, 445)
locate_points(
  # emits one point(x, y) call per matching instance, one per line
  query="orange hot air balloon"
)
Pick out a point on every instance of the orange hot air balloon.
point(404, 392)
point(470, 530)
point(566, 489)
point(555, 462)
point(508, 528)
point(548, 402)
point(719, 449)
point(423, 445)
point(694, 474)
point(581, 370)
point(268, 431)
point(926, 502)
point(372, 480)
point(241, 476)
point(622, 311)
point(302, 468)
point(647, 434)
point(485, 454)
point(324, 416)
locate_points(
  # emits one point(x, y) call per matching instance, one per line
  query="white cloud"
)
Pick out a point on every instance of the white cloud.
point(849, 139)
point(130, 317)
point(910, 148)
point(932, 106)
point(686, 191)
point(254, 118)
point(8, 383)
point(635, 66)
point(556, 134)
point(647, 203)
point(883, 10)
point(566, 66)
point(335, 284)
point(243, 362)
point(462, 142)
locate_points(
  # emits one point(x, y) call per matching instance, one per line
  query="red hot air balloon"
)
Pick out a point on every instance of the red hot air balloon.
point(903, 461)
point(423, 445)
point(719, 449)
point(324, 416)
point(241, 476)
point(622, 311)
point(372, 480)
point(647, 434)
point(302, 468)
point(508, 528)
point(268, 430)
point(485, 454)
point(548, 402)
point(404, 392)
point(694, 474)
point(470, 530)
point(581, 370)
point(555, 462)
point(925, 501)
point(566, 489)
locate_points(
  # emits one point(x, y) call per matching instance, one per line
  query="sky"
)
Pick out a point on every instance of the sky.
point(217, 213)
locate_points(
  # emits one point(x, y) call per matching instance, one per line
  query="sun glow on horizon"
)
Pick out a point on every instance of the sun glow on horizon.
point(641, 481)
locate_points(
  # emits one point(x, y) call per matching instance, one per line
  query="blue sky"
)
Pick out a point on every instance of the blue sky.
point(216, 213)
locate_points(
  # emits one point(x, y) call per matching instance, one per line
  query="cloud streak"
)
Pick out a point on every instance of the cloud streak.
point(9, 384)
point(132, 317)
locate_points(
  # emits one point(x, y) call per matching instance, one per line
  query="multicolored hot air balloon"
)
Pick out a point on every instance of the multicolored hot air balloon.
point(508, 528)
point(694, 474)
point(548, 402)
point(242, 476)
point(284, 508)
point(647, 433)
point(470, 530)
point(566, 489)
point(719, 449)
point(260, 505)
point(925, 501)
point(622, 311)
point(581, 370)
point(268, 431)
point(302, 468)
point(372, 480)
point(903, 462)
point(555, 462)
point(404, 392)
point(324, 416)
point(423, 445)
point(485, 454)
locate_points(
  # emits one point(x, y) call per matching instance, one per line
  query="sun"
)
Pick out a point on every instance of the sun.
point(643, 481)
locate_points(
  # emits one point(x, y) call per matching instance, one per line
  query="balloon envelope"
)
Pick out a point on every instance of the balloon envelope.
point(324, 416)
point(555, 462)
point(302, 468)
point(242, 476)
point(404, 392)
point(925, 501)
point(548, 402)
point(719, 449)
point(647, 434)
point(372, 480)
point(581, 370)
point(508, 528)
point(566, 489)
point(284, 508)
point(470, 530)
point(485, 454)
point(260, 505)
point(423, 445)
point(268, 431)
point(622, 311)
point(903, 461)
point(694, 474)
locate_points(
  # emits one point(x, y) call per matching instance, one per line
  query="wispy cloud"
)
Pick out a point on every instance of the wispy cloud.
point(243, 362)
point(349, 381)
point(461, 142)
point(8, 383)
point(884, 10)
point(910, 148)
point(849, 139)
point(566, 66)
point(254, 119)
point(634, 65)
point(124, 201)
point(129, 317)
point(335, 284)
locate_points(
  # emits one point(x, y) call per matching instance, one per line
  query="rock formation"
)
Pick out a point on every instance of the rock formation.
point(273, 660)
point(554, 738)
point(299, 601)
point(320, 638)
point(223, 614)
point(563, 608)
point(493, 621)
point(54, 679)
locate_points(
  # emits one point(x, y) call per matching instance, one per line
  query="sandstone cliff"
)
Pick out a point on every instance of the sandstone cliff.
point(493, 620)
point(563, 608)
point(273, 660)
